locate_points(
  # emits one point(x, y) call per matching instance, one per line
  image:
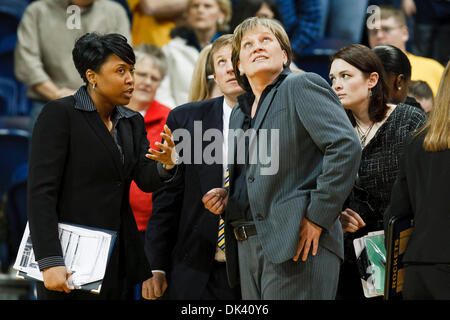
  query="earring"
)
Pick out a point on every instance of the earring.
point(370, 92)
point(93, 86)
point(220, 21)
point(399, 88)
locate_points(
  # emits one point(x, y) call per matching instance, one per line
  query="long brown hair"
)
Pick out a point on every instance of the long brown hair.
point(365, 60)
point(437, 137)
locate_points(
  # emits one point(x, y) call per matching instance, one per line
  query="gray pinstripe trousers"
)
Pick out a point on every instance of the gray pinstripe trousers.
point(315, 279)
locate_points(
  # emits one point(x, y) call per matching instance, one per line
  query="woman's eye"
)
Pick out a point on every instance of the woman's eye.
point(247, 45)
point(132, 70)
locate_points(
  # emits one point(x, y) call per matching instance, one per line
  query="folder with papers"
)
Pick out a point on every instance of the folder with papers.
point(371, 261)
point(399, 232)
point(86, 252)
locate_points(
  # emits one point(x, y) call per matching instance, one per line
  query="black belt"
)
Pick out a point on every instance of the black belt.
point(241, 233)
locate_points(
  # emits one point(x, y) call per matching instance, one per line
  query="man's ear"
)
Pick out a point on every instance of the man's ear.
point(405, 34)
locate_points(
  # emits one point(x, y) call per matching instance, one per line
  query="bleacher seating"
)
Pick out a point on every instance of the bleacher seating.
point(316, 58)
point(13, 99)
point(17, 208)
point(14, 146)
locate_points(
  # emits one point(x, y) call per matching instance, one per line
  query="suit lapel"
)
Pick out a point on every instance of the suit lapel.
point(264, 107)
point(125, 133)
point(106, 139)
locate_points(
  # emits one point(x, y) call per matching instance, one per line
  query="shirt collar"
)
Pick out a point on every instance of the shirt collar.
point(84, 102)
point(246, 99)
point(226, 109)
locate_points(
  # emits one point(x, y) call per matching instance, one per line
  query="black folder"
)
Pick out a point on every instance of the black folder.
point(399, 232)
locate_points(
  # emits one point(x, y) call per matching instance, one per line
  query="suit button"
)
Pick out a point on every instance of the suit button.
point(259, 217)
point(251, 179)
point(118, 183)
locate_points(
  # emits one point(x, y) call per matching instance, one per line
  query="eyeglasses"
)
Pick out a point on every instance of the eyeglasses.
point(384, 30)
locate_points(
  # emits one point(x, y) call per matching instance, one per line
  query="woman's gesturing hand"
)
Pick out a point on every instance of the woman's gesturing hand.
point(168, 155)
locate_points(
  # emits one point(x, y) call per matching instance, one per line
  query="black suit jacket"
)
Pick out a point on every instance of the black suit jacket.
point(422, 189)
point(77, 175)
point(181, 236)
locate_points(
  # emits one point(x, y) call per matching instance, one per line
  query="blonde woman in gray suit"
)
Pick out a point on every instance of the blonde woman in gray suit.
point(283, 236)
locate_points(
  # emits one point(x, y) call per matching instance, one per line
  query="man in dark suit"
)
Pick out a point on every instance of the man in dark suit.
point(181, 238)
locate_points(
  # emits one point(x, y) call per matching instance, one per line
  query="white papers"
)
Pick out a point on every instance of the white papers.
point(373, 262)
point(85, 252)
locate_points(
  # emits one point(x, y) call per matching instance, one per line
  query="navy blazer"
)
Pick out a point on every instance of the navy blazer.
point(181, 236)
point(422, 190)
point(77, 175)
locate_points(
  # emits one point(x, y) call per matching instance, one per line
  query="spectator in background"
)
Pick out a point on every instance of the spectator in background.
point(45, 39)
point(182, 238)
point(398, 73)
point(343, 19)
point(150, 69)
point(301, 20)
point(357, 77)
point(432, 29)
point(203, 86)
point(394, 32)
point(254, 8)
point(206, 20)
point(421, 91)
point(421, 190)
point(154, 19)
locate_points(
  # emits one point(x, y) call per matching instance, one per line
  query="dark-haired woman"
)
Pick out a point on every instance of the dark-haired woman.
point(357, 77)
point(86, 150)
point(398, 71)
point(398, 74)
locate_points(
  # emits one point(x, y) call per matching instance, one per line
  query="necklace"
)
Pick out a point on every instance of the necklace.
point(363, 135)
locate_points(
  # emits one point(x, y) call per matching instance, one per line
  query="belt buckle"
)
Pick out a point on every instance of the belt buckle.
point(237, 235)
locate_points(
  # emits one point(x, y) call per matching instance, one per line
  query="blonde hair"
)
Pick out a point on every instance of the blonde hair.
point(389, 11)
point(252, 23)
point(225, 7)
point(203, 83)
point(437, 128)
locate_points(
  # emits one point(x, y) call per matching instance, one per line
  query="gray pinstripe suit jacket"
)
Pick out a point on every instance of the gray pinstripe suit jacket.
point(319, 154)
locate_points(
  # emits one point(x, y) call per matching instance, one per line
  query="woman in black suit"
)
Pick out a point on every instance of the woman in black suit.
point(422, 189)
point(86, 150)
